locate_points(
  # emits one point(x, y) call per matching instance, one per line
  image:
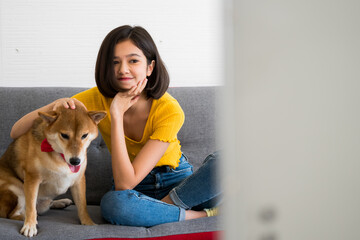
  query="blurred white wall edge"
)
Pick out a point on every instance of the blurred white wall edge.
point(292, 111)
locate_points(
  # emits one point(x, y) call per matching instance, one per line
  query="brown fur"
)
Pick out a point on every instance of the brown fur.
point(10, 202)
point(30, 179)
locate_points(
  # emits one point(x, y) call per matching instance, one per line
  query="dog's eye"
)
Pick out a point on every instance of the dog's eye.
point(64, 136)
point(84, 136)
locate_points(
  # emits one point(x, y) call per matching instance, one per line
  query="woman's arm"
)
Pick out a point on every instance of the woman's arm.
point(128, 174)
point(25, 123)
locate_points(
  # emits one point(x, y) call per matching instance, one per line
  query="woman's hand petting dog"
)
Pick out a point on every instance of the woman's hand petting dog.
point(66, 103)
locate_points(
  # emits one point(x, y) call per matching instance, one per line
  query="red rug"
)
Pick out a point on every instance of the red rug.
point(216, 235)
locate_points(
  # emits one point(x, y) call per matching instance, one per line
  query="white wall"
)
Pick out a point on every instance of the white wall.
point(55, 43)
point(293, 117)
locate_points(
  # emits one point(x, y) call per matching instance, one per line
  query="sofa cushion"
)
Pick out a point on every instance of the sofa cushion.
point(197, 136)
point(64, 224)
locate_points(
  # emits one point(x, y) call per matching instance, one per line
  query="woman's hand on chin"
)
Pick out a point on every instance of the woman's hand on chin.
point(124, 100)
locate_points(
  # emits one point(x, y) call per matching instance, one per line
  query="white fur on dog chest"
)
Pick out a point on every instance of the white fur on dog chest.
point(57, 184)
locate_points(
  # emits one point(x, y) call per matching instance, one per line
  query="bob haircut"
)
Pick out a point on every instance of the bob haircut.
point(158, 81)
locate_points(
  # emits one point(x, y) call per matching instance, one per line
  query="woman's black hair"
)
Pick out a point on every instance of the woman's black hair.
point(158, 81)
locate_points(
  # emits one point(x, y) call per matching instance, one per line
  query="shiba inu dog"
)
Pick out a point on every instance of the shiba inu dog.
point(46, 161)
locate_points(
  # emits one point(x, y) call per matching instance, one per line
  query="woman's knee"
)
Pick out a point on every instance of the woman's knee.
point(115, 206)
point(213, 157)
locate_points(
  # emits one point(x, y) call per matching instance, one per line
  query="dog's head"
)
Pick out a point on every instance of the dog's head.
point(70, 132)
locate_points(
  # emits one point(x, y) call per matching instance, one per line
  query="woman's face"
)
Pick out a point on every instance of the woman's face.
point(130, 65)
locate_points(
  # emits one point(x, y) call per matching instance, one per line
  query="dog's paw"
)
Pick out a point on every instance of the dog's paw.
point(88, 222)
point(61, 203)
point(29, 230)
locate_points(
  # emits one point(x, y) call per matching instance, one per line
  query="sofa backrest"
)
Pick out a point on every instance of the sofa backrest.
point(197, 136)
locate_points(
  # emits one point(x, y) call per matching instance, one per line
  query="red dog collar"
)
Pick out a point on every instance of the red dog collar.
point(46, 147)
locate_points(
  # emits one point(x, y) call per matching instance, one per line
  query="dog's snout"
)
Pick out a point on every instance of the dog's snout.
point(74, 161)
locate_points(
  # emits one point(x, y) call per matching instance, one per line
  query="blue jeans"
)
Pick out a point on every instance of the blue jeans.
point(142, 206)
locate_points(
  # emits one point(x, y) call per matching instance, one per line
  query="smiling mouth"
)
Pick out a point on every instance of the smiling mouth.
point(124, 79)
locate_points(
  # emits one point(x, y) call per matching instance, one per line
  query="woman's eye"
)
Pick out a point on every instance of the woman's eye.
point(64, 136)
point(116, 62)
point(84, 136)
point(134, 61)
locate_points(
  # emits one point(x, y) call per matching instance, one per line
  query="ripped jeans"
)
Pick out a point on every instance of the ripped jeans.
point(142, 206)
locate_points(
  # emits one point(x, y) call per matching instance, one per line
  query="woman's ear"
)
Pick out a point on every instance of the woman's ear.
point(150, 68)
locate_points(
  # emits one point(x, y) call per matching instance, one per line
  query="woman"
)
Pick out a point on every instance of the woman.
point(140, 131)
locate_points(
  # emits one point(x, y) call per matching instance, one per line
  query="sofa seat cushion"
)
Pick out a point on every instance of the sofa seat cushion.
point(64, 224)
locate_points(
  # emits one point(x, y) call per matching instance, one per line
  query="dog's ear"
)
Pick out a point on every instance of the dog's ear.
point(49, 117)
point(97, 116)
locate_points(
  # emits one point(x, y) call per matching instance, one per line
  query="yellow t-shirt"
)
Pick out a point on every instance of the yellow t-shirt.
point(165, 119)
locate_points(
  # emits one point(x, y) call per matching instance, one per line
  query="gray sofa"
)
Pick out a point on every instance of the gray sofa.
point(197, 138)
